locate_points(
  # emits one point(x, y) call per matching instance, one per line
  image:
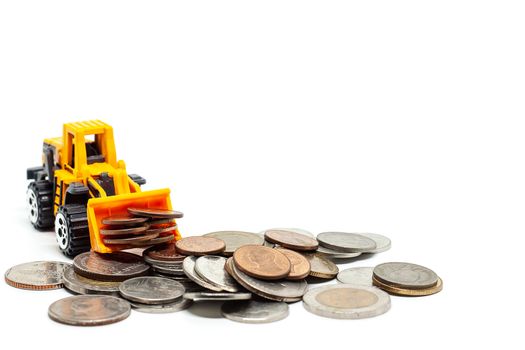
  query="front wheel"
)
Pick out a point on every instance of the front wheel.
point(71, 229)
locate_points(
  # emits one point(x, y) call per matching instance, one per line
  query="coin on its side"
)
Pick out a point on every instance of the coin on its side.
point(198, 245)
point(405, 275)
point(361, 276)
point(155, 213)
point(291, 240)
point(89, 310)
point(211, 269)
point(409, 292)
point(118, 266)
point(130, 240)
point(236, 239)
point(82, 285)
point(151, 290)
point(255, 311)
point(300, 266)
point(346, 301)
point(346, 242)
point(262, 262)
point(321, 267)
point(217, 296)
point(282, 290)
point(37, 275)
point(188, 266)
point(383, 243)
point(176, 306)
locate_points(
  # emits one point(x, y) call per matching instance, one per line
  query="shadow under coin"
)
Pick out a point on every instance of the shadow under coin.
point(208, 309)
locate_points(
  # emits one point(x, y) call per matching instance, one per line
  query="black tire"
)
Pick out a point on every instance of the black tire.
point(72, 231)
point(40, 204)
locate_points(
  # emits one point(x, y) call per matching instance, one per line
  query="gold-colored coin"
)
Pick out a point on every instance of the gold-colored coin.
point(409, 292)
point(321, 267)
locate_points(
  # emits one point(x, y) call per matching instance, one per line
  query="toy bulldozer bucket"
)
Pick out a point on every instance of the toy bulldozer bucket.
point(100, 208)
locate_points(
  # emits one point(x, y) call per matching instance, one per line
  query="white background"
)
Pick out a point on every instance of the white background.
point(398, 117)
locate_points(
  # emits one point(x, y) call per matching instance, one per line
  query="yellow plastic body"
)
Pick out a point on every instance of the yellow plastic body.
point(99, 208)
point(72, 165)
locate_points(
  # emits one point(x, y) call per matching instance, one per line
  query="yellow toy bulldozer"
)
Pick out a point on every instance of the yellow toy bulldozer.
point(80, 183)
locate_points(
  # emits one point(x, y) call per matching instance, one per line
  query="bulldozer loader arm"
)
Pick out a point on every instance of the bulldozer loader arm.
point(100, 208)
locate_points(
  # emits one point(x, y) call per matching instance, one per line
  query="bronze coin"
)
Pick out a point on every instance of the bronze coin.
point(161, 222)
point(165, 252)
point(117, 266)
point(123, 220)
point(262, 262)
point(291, 240)
point(153, 241)
point(128, 240)
point(161, 230)
point(300, 265)
point(198, 245)
point(123, 231)
point(155, 213)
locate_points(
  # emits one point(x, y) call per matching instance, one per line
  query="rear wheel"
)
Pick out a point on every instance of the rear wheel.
point(72, 231)
point(39, 199)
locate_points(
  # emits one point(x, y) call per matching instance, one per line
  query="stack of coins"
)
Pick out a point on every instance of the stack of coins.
point(256, 275)
point(166, 262)
point(154, 294)
point(139, 228)
point(406, 279)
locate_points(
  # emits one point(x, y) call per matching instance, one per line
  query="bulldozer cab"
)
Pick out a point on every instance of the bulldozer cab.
point(87, 143)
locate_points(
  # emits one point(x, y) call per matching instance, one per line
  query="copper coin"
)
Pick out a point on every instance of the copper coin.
point(162, 222)
point(117, 266)
point(262, 262)
point(166, 252)
point(291, 240)
point(155, 213)
point(123, 220)
point(300, 265)
point(129, 240)
point(198, 245)
point(123, 231)
point(154, 241)
point(161, 230)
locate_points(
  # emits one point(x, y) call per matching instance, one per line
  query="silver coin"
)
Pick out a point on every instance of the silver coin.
point(255, 311)
point(383, 243)
point(37, 275)
point(89, 310)
point(361, 276)
point(346, 301)
point(189, 269)
point(151, 290)
point(217, 296)
point(330, 253)
point(211, 269)
point(236, 239)
point(179, 305)
point(405, 275)
point(346, 242)
point(168, 271)
point(82, 285)
point(280, 290)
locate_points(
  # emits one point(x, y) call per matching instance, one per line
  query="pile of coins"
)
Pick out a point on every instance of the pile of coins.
point(139, 228)
point(254, 275)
